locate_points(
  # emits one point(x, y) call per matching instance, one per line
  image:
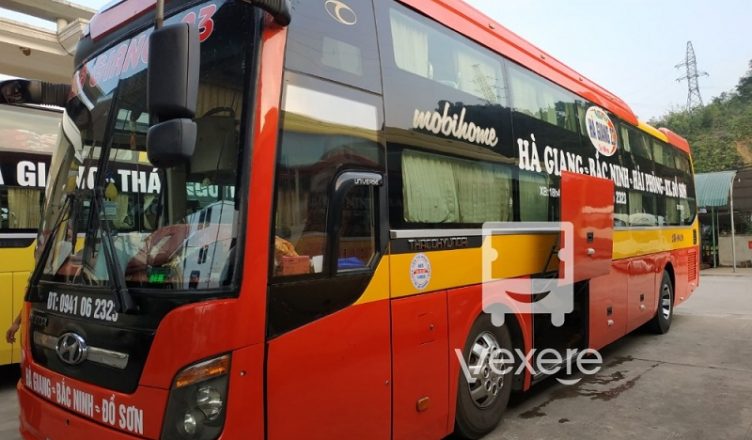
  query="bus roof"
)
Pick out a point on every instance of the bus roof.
point(676, 140)
point(465, 19)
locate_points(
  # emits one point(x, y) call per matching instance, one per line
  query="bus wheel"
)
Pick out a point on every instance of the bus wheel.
point(662, 320)
point(481, 401)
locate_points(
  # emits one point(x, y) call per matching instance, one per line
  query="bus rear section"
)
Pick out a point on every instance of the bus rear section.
point(27, 137)
point(314, 265)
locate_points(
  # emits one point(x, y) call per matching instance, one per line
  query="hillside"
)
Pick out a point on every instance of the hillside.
point(720, 133)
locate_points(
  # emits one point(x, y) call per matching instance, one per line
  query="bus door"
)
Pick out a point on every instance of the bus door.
point(328, 299)
point(345, 350)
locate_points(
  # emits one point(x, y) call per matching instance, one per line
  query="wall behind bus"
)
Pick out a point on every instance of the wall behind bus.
point(743, 251)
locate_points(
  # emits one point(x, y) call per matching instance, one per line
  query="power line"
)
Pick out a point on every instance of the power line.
point(694, 99)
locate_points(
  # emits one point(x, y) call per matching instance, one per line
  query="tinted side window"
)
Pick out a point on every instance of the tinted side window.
point(536, 202)
point(357, 235)
point(640, 144)
point(448, 124)
point(536, 96)
point(443, 58)
point(642, 202)
point(326, 235)
point(685, 203)
point(335, 41)
point(662, 154)
point(643, 209)
point(325, 129)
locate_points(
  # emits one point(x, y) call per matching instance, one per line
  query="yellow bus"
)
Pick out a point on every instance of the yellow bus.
point(28, 136)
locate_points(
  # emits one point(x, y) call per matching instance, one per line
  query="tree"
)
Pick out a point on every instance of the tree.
point(720, 133)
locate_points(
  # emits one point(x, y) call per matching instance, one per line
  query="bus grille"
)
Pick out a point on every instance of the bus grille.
point(692, 265)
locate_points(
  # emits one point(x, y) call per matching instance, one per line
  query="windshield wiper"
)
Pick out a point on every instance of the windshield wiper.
point(123, 298)
point(47, 247)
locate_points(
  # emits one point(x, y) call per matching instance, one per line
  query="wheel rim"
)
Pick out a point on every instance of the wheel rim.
point(488, 381)
point(666, 301)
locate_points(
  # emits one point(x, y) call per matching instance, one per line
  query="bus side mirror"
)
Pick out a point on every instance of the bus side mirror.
point(172, 93)
point(171, 143)
point(279, 10)
point(21, 91)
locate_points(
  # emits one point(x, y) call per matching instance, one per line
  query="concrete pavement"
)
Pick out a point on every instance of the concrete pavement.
point(693, 383)
point(9, 375)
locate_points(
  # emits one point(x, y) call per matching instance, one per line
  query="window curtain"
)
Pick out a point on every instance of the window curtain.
point(483, 193)
point(443, 190)
point(429, 189)
point(24, 210)
point(410, 45)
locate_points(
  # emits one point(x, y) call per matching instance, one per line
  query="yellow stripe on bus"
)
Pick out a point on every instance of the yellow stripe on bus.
point(520, 255)
point(636, 242)
point(378, 288)
point(644, 126)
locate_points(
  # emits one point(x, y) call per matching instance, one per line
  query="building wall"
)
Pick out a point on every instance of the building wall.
point(743, 251)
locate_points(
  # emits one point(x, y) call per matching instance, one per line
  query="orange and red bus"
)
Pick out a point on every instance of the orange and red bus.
point(294, 249)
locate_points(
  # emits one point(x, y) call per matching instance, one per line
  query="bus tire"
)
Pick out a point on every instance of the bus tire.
point(481, 404)
point(661, 322)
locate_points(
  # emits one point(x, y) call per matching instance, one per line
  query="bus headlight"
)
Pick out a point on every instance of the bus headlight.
point(209, 401)
point(196, 408)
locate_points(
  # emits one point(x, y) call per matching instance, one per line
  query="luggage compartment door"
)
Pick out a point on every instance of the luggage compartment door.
point(588, 203)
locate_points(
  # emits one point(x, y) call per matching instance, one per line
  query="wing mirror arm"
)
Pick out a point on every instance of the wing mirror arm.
point(22, 91)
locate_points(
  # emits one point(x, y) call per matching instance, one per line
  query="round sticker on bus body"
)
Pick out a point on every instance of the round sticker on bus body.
point(601, 130)
point(420, 271)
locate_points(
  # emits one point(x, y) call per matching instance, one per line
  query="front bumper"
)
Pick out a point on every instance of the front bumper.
point(42, 420)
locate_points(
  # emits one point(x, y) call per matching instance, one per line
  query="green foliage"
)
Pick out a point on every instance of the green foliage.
point(720, 133)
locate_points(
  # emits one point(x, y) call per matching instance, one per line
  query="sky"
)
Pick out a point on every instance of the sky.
point(630, 47)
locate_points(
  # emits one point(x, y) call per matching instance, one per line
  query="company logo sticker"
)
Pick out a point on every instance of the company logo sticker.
point(341, 12)
point(451, 123)
point(420, 271)
point(601, 130)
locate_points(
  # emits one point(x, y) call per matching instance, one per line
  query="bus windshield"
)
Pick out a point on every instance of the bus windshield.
point(169, 229)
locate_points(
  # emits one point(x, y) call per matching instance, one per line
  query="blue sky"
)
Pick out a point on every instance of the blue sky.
point(629, 46)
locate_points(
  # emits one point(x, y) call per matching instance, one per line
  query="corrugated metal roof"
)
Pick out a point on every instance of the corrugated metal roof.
point(713, 188)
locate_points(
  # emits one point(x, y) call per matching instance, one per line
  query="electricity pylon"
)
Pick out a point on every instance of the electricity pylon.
point(694, 99)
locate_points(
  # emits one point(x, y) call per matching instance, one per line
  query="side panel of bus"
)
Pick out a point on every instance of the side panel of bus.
point(27, 138)
point(13, 280)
